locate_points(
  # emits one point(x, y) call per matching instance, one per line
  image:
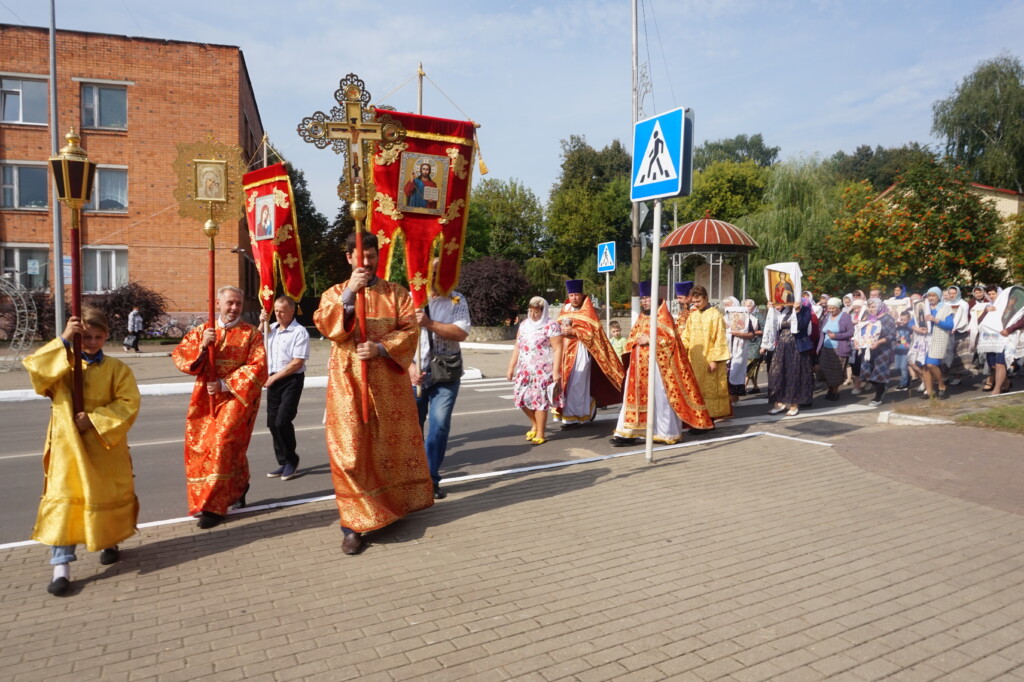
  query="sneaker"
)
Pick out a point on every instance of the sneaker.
point(856, 391)
point(921, 387)
point(289, 471)
point(276, 472)
point(111, 555)
point(901, 387)
point(874, 403)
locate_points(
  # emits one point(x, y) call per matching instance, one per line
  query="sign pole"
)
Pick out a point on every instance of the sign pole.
point(652, 359)
point(607, 305)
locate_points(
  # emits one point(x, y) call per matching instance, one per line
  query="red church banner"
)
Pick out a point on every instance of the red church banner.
point(273, 231)
point(422, 190)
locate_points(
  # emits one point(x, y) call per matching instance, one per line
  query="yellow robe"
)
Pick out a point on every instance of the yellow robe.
point(379, 469)
point(88, 490)
point(703, 341)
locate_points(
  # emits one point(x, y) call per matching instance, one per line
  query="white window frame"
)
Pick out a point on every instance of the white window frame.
point(94, 252)
point(91, 207)
point(20, 267)
point(100, 83)
point(17, 193)
point(21, 95)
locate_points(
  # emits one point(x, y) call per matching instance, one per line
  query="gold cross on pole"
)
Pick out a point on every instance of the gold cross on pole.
point(351, 124)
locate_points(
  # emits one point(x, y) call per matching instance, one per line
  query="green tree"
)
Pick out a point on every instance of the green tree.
point(881, 165)
point(728, 190)
point(802, 202)
point(513, 217)
point(316, 236)
point(931, 229)
point(1015, 247)
point(983, 123)
point(738, 149)
point(589, 203)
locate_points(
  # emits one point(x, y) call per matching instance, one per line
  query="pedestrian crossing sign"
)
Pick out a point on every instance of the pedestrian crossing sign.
point(606, 257)
point(662, 156)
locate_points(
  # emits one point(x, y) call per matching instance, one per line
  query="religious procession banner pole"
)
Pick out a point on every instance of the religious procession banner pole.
point(73, 176)
point(210, 186)
point(350, 130)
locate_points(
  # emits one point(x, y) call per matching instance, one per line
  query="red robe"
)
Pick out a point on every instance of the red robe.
point(216, 467)
point(681, 388)
point(606, 372)
point(379, 469)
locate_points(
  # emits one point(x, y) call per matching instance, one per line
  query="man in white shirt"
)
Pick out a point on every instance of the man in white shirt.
point(444, 322)
point(287, 352)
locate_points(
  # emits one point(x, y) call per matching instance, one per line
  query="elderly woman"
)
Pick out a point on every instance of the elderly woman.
point(753, 345)
point(736, 340)
point(790, 380)
point(939, 324)
point(536, 366)
point(834, 347)
point(877, 359)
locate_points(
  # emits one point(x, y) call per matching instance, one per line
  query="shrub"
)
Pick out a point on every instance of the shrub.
point(494, 288)
point(117, 303)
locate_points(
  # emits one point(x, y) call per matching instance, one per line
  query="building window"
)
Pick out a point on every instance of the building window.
point(104, 269)
point(104, 106)
point(30, 266)
point(23, 186)
point(110, 192)
point(22, 101)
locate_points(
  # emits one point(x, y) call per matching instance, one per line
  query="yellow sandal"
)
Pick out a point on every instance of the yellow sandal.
point(539, 440)
point(530, 435)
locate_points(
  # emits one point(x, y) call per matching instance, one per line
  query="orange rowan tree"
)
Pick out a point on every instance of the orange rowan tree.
point(930, 229)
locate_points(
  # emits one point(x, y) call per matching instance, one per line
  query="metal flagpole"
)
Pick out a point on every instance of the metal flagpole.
point(58, 247)
point(635, 209)
point(652, 364)
point(607, 305)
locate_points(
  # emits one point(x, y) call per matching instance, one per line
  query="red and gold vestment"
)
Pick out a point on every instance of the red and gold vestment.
point(218, 427)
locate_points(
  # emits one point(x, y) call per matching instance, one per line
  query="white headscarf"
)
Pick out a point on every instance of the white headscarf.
point(529, 324)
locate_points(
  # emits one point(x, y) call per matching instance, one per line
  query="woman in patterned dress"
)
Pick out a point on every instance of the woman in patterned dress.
point(876, 360)
point(536, 366)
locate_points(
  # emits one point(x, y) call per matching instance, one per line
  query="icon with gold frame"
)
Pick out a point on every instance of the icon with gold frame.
point(424, 183)
point(211, 180)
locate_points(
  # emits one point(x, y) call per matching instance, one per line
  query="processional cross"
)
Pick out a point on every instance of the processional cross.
point(351, 130)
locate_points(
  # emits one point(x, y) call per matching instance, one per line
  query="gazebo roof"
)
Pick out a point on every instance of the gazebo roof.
point(708, 234)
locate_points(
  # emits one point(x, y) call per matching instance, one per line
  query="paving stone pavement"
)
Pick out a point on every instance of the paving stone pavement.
point(751, 559)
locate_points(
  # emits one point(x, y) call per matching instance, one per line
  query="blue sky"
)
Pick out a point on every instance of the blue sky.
point(813, 76)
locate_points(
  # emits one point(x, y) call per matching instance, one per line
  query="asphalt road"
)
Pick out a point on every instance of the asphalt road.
point(487, 436)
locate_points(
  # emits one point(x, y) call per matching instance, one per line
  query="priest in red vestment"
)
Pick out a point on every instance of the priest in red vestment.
point(379, 468)
point(223, 408)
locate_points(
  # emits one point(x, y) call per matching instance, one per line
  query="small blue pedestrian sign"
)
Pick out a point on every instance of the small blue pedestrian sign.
point(606, 257)
point(662, 156)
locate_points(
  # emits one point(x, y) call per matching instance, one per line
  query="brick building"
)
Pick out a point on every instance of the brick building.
point(133, 100)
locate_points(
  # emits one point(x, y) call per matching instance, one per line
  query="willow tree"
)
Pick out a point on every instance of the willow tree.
point(801, 204)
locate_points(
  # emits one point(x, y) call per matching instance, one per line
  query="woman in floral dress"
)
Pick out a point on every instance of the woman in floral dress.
point(536, 366)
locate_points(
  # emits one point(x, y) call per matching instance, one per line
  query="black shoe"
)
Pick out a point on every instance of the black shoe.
point(694, 431)
point(276, 472)
point(241, 500)
point(59, 587)
point(352, 544)
point(755, 389)
point(438, 493)
point(111, 555)
point(943, 394)
point(570, 426)
point(620, 442)
point(209, 520)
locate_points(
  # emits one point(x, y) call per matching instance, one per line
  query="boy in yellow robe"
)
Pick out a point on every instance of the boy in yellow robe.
point(88, 489)
point(703, 339)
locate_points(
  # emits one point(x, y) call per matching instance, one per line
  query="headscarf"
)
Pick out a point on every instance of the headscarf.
point(903, 291)
point(836, 303)
point(730, 302)
point(934, 290)
point(873, 317)
point(531, 325)
point(958, 300)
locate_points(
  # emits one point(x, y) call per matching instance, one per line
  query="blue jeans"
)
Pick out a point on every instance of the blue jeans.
point(437, 401)
point(62, 554)
point(900, 364)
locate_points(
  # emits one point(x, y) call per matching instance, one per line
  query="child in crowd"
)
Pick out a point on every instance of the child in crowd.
point(618, 342)
point(904, 334)
point(88, 488)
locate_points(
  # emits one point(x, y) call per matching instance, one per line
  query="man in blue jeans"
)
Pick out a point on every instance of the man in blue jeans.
point(444, 322)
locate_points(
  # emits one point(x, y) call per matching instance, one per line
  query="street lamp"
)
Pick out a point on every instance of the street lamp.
point(73, 176)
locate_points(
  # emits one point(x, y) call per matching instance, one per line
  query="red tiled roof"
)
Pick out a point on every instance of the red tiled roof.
point(709, 232)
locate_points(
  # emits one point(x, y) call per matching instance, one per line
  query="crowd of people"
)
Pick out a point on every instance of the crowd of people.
point(394, 376)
